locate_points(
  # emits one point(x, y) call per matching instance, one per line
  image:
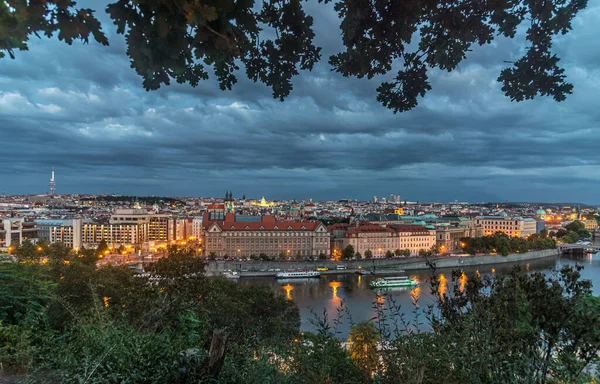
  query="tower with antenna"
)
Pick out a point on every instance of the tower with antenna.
point(52, 183)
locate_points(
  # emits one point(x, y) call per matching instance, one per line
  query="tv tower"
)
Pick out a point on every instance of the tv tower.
point(52, 183)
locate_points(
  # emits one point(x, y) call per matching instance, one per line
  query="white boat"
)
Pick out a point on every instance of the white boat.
point(231, 275)
point(298, 280)
point(385, 282)
point(297, 274)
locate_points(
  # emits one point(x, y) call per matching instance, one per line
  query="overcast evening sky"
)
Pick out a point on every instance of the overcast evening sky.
point(83, 110)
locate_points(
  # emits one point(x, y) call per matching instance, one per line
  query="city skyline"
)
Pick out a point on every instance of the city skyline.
point(382, 199)
point(61, 106)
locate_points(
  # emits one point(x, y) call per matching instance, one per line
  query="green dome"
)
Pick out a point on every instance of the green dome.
point(540, 212)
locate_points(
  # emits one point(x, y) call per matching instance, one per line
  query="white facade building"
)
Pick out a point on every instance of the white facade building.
point(512, 226)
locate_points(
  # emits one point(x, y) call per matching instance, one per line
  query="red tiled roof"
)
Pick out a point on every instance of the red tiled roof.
point(268, 223)
point(373, 228)
point(337, 227)
point(369, 228)
point(408, 228)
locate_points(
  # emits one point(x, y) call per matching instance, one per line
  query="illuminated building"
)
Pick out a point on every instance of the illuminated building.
point(590, 225)
point(197, 226)
point(226, 234)
point(114, 235)
point(512, 226)
point(126, 227)
point(180, 228)
point(263, 203)
point(447, 238)
point(11, 232)
point(380, 239)
point(67, 232)
point(158, 225)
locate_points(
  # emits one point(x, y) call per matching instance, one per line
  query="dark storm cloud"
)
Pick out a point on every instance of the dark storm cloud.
point(82, 110)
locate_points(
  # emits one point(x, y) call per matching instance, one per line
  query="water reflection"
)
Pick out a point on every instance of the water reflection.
point(288, 291)
point(414, 295)
point(380, 299)
point(329, 291)
point(335, 299)
point(462, 281)
point(443, 285)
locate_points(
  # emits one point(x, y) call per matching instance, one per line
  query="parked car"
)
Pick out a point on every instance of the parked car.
point(322, 268)
point(341, 267)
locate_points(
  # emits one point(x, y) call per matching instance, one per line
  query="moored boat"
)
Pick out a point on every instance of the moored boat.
point(385, 282)
point(231, 275)
point(298, 274)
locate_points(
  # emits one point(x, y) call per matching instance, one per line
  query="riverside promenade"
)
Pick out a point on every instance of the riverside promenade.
point(271, 268)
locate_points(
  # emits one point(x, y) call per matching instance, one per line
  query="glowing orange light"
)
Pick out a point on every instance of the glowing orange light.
point(443, 287)
point(415, 294)
point(462, 281)
point(288, 291)
point(334, 287)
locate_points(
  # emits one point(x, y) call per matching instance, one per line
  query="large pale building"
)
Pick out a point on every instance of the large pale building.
point(67, 232)
point(197, 226)
point(379, 239)
point(241, 236)
point(11, 232)
point(125, 227)
point(158, 224)
point(448, 237)
point(114, 235)
point(512, 226)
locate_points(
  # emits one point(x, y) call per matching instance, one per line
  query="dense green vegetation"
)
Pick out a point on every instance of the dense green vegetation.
point(62, 320)
point(573, 232)
point(502, 244)
point(189, 41)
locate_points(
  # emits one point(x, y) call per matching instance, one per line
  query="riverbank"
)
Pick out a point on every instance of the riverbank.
point(270, 268)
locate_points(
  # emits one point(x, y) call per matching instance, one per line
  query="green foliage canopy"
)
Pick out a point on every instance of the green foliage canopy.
point(182, 40)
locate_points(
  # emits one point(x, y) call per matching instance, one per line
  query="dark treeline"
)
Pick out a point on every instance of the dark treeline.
point(63, 320)
point(502, 244)
point(149, 200)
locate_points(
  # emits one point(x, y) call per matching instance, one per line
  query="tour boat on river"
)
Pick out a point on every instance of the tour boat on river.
point(386, 282)
point(231, 275)
point(298, 274)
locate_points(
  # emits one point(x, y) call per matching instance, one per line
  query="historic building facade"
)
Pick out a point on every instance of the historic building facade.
point(512, 226)
point(226, 234)
point(379, 239)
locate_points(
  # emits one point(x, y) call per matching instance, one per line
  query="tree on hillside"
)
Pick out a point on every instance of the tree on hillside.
point(363, 343)
point(515, 327)
point(184, 40)
point(26, 251)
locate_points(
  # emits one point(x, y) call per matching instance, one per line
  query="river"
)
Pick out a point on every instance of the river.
point(350, 293)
